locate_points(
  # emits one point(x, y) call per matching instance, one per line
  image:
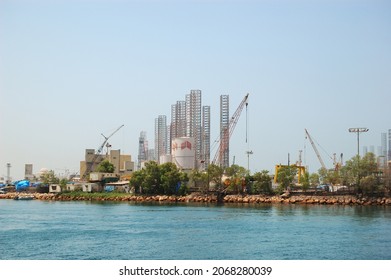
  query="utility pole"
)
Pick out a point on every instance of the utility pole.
point(248, 161)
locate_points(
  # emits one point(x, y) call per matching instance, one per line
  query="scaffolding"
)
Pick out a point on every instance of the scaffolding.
point(178, 121)
point(224, 126)
point(193, 122)
point(205, 157)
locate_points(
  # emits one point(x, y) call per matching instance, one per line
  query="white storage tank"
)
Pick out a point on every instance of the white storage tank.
point(183, 152)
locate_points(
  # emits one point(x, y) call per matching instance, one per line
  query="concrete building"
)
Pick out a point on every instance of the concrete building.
point(123, 164)
point(28, 172)
point(151, 155)
point(142, 149)
point(161, 140)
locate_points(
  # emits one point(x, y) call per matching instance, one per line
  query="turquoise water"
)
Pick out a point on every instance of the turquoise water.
point(40, 230)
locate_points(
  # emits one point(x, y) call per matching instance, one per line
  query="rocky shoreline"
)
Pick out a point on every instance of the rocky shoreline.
point(200, 198)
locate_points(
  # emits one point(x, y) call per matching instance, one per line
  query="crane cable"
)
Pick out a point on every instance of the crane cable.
point(247, 122)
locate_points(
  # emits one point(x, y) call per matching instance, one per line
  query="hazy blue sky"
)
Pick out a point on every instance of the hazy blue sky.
point(71, 70)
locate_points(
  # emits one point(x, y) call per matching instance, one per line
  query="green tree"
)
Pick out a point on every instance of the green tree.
point(184, 181)
point(322, 175)
point(159, 179)
point(359, 173)
point(63, 183)
point(235, 171)
point(314, 179)
point(305, 181)
point(237, 177)
point(215, 175)
point(369, 184)
point(329, 176)
point(262, 183)
point(151, 180)
point(136, 180)
point(170, 178)
point(348, 172)
point(368, 165)
point(333, 177)
point(106, 167)
point(49, 177)
point(285, 177)
point(199, 180)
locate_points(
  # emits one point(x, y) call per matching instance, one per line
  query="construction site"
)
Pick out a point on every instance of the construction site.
point(184, 139)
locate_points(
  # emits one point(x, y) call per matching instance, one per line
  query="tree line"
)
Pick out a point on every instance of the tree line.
point(358, 175)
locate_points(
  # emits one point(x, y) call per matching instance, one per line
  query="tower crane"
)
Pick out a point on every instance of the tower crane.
point(98, 153)
point(226, 134)
point(315, 149)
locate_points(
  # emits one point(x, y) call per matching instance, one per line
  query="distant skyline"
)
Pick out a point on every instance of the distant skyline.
point(71, 70)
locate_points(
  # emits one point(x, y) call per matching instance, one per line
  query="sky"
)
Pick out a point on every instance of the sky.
point(71, 70)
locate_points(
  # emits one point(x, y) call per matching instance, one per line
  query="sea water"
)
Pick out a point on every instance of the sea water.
point(43, 230)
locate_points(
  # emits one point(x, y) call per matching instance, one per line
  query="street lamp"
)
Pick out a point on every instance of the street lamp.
point(248, 160)
point(358, 130)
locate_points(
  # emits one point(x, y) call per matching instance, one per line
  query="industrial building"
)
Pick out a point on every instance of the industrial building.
point(123, 164)
point(183, 153)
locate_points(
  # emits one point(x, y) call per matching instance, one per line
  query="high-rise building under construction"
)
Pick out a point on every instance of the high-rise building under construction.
point(178, 120)
point(193, 122)
point(190, 119)
point(224, 133)
point(205, 138)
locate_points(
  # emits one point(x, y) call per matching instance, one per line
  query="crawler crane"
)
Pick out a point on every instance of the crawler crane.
point(226, 134)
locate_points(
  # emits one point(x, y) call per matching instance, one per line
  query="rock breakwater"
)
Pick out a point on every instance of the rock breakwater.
point(200, 198)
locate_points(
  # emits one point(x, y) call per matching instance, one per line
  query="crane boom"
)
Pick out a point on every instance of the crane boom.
point(107, 138)
point(97, 154)
point(227, 133)
point(315, 149)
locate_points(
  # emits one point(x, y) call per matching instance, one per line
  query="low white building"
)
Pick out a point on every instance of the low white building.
point(121, 186)
point(91, 187)
point(55, 188)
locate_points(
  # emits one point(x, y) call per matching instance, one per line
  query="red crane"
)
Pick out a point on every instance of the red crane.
point(226, 134)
